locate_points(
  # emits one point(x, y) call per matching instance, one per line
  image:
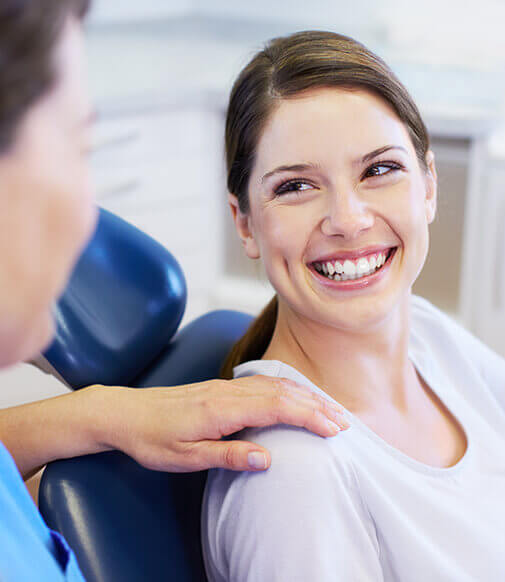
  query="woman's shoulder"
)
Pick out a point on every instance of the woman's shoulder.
point(422, 308)
point(297, 457)
point(434, 325)
point(295, 511)
point(437, 337)
point(298, 445)
point(439, 329)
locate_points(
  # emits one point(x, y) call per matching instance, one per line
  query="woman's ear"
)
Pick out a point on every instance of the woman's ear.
point(243, 226)
point(431, 187)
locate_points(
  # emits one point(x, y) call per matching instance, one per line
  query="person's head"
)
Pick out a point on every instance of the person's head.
point(327, 157)
point(47, 205)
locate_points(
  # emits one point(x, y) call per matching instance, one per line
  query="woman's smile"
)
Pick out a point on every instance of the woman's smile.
point(353, 273)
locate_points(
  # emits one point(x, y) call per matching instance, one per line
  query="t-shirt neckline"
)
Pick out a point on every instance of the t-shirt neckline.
point(425, 371)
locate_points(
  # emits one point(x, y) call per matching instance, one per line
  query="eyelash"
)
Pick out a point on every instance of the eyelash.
point(284, 188)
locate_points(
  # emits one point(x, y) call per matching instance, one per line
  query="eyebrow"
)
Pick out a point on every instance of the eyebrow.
point(292, 168)
point(303, 167)
point(379, 151)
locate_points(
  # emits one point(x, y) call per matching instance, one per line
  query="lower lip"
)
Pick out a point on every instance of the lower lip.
point(353, 284)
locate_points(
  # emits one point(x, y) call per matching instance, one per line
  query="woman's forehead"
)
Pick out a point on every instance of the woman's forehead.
point(329, 121)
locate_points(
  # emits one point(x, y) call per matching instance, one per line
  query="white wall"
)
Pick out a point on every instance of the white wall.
point(455, 32)
point(23, 383)
point(106, 11)
point(335, 15)
point(458, 32)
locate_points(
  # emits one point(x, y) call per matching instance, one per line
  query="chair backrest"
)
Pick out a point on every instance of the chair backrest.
point(125, 522)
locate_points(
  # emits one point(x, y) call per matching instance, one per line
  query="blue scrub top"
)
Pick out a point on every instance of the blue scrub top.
point(29, 550)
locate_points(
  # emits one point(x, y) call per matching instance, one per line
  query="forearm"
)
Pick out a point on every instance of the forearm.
point(55, 428)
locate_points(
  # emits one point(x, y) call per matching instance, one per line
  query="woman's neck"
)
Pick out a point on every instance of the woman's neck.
point(363, 370)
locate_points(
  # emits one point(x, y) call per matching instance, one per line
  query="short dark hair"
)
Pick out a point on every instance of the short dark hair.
point(29, 31)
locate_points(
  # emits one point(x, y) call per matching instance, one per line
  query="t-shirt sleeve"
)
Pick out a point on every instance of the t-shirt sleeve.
point(303, 519)
point(489, 365)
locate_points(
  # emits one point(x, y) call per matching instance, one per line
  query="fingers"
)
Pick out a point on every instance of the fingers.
point(282, 409)
point(270, 382)
point(281, 400)
point(233, 455)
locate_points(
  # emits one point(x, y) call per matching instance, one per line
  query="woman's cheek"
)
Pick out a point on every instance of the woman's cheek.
point(286, 227)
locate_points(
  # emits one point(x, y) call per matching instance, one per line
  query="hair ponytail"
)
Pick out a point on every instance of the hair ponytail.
point(253, 344)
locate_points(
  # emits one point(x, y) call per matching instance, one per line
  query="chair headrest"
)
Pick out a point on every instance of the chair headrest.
point(124, 302)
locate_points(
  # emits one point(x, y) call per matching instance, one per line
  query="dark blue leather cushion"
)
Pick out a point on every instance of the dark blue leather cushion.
point(125, 522)
point(197, 351)
point(124, 302)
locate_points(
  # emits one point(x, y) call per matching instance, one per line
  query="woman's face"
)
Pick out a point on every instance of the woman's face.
point(336, 189)
point(49, 211)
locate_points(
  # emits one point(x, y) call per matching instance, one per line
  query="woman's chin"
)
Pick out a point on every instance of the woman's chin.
point(359, 312)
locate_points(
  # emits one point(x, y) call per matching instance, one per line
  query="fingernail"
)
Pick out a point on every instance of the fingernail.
point(333, 426)
point(257, 460)
point(344, 424)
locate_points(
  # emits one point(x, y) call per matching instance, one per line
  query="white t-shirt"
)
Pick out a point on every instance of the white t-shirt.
point(354, 508)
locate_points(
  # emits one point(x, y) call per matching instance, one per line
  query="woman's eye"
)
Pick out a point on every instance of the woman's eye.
point(381, 169)
point(293, 186)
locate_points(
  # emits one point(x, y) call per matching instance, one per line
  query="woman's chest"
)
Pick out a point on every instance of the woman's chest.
point(429, 434)
point(438, 524)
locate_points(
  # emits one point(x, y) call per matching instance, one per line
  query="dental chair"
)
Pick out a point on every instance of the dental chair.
point(117, 324)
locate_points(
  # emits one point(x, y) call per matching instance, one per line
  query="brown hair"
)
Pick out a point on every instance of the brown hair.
point(286, 67)
point(29, 31)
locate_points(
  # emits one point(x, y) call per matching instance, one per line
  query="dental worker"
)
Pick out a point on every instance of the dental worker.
point(48, 216)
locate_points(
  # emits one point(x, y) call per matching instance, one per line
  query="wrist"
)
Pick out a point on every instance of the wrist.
point(105, 416)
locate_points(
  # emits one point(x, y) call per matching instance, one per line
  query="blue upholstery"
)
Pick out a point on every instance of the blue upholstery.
point(124, 522)
point(124, 302)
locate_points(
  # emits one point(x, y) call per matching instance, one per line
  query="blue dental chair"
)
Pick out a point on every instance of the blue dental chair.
point(117, 324)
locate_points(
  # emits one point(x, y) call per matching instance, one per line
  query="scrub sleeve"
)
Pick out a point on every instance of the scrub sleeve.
point(29, 550)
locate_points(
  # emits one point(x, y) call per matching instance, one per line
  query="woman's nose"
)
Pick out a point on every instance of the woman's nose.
point(346, 215)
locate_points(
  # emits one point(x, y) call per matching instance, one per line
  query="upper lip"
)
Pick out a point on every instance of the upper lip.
point(352, 254)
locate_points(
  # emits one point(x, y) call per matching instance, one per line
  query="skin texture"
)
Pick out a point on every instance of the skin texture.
point(45, 186)
point(353, 344)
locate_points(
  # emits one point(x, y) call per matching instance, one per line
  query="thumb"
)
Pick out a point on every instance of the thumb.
point(234, 455)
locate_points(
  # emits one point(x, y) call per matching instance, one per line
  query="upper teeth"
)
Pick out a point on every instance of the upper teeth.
point(352, 269)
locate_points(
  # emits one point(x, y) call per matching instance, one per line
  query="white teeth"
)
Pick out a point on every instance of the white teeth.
point(362, 267)
point(349, 268)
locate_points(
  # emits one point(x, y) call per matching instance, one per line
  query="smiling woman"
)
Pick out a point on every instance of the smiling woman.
point(333, 187)
point(284, 74)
